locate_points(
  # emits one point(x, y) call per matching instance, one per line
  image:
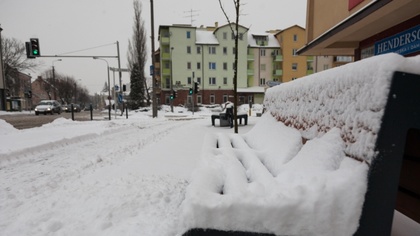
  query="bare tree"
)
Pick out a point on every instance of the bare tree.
point(235, 73)
point(136, 56)
point(15, 61)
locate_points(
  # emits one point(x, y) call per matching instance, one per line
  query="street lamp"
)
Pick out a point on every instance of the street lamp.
point(109, 89)
point(53, 78)
point(172, 90)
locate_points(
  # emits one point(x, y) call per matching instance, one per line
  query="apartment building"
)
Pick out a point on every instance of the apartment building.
point(264, 63)
point(293, 65)
point(204, 55)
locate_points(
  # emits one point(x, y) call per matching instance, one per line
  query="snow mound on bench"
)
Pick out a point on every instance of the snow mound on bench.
point(350, 97)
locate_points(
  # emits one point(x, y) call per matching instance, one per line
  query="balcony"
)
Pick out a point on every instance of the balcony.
point(164, 40)
point(278, 58)
point(250, 57)
point(166, 56)
point(277, 72)
point(250, 72)
point(166, 71)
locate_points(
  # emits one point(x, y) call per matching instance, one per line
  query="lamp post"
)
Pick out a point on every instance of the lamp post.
point(109, 89)
point(172, 90)
point(53, 79)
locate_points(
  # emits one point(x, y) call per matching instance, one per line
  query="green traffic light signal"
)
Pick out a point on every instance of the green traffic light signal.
point(191, 91)
point(171, 97)
point(34, 52)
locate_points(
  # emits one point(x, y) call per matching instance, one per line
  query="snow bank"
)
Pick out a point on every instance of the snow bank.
point(291, 174)
point(351, 97)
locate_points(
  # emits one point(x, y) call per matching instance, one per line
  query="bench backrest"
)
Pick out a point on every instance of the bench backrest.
point(374, 106)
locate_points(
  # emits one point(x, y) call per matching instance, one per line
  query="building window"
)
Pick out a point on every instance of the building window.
point(241, 36)
point(225, 98)
point(224, 50)
point(189, 80)
point(168, 82)
point(212, 80)
point(188, 49)
point(275, 52)
point(294, 66)
point(212, 50)
point(234, 51)
point(225, 66)
point(167, 65)
point(212, 65)
point(189, 65)
point(262, 81)
point(212, 99)
point(326, 67)
point(198, 50)
point(199, 99)
point(294, 52)
point(198, 65)
point(262, 52)
point(199, 80)
point(188, 34)
point(225, 80)
point(224, 35)
point(262, 67)
point(295, 37)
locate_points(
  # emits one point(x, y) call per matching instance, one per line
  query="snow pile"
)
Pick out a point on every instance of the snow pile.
point(351, 97)
point(241, 184)
point(294, 177)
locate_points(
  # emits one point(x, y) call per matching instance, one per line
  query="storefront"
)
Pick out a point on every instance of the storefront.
point(362, 28)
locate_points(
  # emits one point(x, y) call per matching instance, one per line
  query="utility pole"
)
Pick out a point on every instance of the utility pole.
point(2, 77)
point(154, 100)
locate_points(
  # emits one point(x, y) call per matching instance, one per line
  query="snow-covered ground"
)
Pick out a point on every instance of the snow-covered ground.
point(118, 177)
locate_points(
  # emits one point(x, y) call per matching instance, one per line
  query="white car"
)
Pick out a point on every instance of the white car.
point(48, 107)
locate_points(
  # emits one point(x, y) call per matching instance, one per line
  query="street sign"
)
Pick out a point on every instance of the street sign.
point(119, 69)
point(152, 68)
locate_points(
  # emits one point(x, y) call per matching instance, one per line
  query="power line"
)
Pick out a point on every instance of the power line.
point(87, 49)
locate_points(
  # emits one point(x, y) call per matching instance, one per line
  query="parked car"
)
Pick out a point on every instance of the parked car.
point(66, 108)
point(48, 107)
point(76, 108)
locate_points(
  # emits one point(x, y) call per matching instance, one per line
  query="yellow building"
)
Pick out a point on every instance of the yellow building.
point(294, 66)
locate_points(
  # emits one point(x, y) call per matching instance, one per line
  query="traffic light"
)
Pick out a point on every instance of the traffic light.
point(34, 47)
point(196, 88)
point(171, 96)
point(174, 94)
point(191, 91)
point(124, 88)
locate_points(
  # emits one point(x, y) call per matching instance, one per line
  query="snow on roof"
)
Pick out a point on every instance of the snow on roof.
point(255, 89)
point(205, 37)
point(272, 41)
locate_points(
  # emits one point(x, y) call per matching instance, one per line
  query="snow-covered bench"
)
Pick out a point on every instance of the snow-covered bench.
point(324, 159)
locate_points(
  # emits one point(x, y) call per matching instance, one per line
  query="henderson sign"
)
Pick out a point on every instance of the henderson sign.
point(403, 43)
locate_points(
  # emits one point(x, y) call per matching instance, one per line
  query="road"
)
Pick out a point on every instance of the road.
point(30, 120)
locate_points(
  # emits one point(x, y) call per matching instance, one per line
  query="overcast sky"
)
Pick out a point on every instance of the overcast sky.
point(68, 26)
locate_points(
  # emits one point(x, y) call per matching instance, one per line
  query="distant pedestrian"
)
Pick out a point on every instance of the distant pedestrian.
point(229, 112)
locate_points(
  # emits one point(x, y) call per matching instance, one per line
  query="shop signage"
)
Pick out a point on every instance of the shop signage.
point(404, 43)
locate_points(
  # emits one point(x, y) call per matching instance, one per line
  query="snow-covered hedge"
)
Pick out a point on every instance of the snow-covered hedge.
point(351, 97)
